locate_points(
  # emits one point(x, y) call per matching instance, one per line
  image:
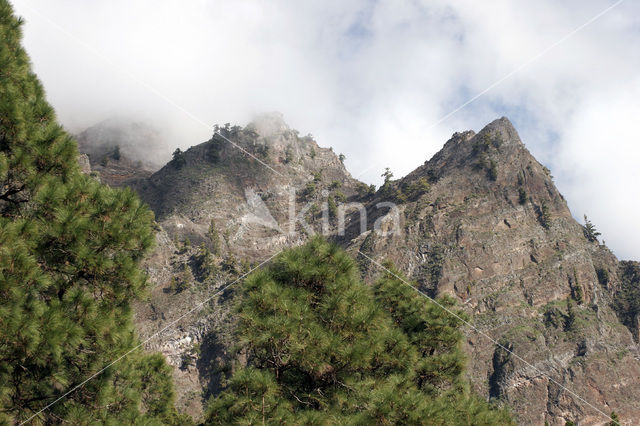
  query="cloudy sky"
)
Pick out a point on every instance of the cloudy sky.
point(381, 81)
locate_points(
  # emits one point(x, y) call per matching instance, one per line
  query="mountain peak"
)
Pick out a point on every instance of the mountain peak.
point(502, 129)
point(269, 124)
point(497, 144)
point(136, 141)
point(481, 221)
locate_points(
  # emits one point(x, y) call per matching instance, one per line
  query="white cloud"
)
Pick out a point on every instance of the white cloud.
point(368, 78)
point(599, 161)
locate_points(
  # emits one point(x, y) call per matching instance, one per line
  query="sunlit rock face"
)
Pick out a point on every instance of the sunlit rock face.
point(481, 221)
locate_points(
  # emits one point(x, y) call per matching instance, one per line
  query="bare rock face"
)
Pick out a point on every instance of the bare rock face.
point(252, 182)
point(552, 313)
point(85, 165)
point(222, 207)
point(121, 151)
point(494, 232)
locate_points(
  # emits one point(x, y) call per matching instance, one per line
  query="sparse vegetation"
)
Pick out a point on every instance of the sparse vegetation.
point(288, 154)
point(178, 160)
point(335, 185)
point(231, 264)
point(309, 190)
point(262, 150)
point(365, 190)
point(603, 276)
point(570, 319)
point(576, 289)
point(186, 361)
point(522, 196)
point(400, 196)
point(544, 215)
point(417, 188)
point(340, 196)
point(492, 170)
point(480, 150)
point(205, 263)
point(615, 420)
point(431, 270)
point(183, 281)
point(553, 317)
point(590, 231)
point(332, 206)
point(214, 148)
point(313, 212)
point(626, 300)
point(184, 246)
point(482, 145)
point(214, 238)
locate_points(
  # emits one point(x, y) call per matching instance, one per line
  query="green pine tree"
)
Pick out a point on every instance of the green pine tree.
point(69, 269)
point(324, 348)
point(615, 420)
point(570, 319)
point(544, 215)
point(590, 231)
point(214, 237)
point(522, 196)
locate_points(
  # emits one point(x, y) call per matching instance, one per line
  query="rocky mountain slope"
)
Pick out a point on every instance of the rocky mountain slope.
point(493, 231)
point(482, 221)
point(234, 205)
point(121, 151)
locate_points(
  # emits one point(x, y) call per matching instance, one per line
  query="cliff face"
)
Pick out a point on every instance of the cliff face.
point(252, 182)
point(121, 151)
point(236, 203)
point(494, 232)
point(482, 221)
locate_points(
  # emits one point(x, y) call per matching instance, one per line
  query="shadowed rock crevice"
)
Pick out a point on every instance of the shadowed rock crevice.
point(481, 221)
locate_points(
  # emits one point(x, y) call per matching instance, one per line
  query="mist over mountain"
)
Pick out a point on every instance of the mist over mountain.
point(136, 141)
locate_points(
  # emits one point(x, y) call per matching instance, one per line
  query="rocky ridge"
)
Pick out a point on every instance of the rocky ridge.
point(494, 232)
point(482, 221)
point(121, 151)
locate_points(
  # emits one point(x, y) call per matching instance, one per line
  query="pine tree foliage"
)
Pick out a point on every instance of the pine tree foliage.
point(590, 231)
point(69, 269)
point(431, 329)
point(324, 348)
point(544, 215)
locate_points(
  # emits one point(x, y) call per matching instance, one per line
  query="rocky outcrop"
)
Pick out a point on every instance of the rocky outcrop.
point(493, 231)
point(121, 151)
point(241, 196)
point(256, 184)
point(83, 162)
point(552, 313)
